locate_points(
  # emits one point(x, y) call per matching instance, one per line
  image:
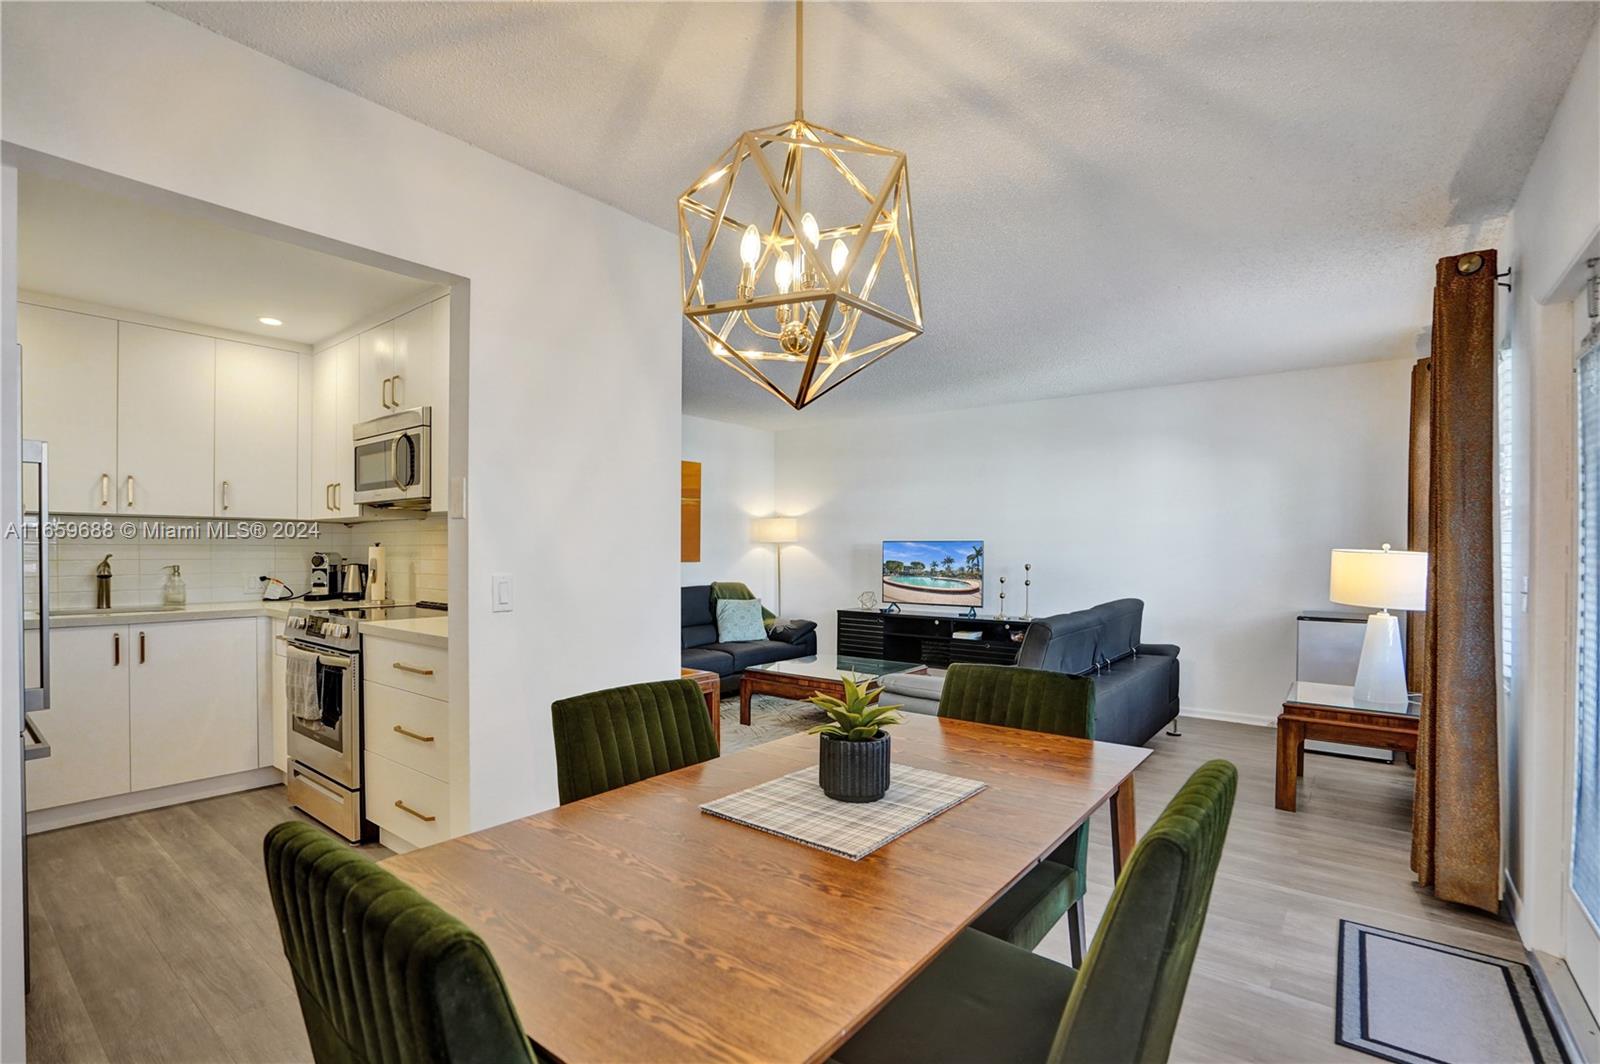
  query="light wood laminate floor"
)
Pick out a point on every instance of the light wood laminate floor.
point(154, 938)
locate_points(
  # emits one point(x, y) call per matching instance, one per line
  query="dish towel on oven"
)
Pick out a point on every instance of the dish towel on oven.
point(301, 682)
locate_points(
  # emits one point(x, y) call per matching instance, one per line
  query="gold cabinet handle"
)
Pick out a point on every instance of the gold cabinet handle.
point(224, 494)
point(418, 669)
point(338, 494)
point(116, 648)
point(386, 393)
point(404, 808)
point(409, 734)
point(105, 489)
point(130, 489)
point(141, 648)
point(327, 495)
point(394, 390)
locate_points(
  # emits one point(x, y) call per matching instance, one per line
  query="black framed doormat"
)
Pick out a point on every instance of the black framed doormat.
point(1419, 1002)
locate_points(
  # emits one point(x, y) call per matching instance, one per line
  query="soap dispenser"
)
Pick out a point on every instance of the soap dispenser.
point(173, 592)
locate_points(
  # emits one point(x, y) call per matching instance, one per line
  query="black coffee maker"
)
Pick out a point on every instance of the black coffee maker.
point(325, 574)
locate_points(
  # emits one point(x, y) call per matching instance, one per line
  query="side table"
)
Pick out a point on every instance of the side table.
point(1331, 712)
point(710, 685)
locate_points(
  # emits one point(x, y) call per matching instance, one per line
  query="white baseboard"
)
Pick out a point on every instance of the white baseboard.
point(1513, 902)
point(1228, 716)
point(63, 816)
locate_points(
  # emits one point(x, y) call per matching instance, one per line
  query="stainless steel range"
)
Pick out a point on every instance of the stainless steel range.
point(324, 697)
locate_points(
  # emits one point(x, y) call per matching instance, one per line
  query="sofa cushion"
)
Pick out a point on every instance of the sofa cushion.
point(739, 621)
point(697, 608)
point(710, 660)
point(1120, 620)
point(791, 630)
point(758, 652)
point(699, 635)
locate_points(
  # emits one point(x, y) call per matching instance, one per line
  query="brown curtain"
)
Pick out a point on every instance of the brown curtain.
point(1417, 511)
point(1455, 846)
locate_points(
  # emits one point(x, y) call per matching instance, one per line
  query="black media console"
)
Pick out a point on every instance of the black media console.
point(934, 639)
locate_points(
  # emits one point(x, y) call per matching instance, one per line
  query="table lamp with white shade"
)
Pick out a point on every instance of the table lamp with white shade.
point(1385, 580)
point(776, 531)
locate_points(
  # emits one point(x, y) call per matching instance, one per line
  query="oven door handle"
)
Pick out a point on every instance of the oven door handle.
point(337, 661)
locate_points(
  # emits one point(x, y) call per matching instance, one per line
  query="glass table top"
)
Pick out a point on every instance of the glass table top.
point(831, 667)
point(1343, 696)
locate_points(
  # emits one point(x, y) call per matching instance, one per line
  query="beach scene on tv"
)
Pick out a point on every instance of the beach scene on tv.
point(938, 572)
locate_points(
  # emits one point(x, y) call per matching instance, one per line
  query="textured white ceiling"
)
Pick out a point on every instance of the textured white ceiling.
point(1107, 195)
point(89, 245)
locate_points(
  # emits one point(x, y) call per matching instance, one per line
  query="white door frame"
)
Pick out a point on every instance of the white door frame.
point(12, 1001)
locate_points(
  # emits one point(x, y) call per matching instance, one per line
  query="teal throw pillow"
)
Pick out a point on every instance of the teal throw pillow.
point(739, 621)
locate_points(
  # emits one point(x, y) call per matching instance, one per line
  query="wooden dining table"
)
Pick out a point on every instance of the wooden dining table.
point(630, 926)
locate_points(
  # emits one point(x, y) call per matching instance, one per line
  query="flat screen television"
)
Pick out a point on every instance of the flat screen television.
point(933, 572)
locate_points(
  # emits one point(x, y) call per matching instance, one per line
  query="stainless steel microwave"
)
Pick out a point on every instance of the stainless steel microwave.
point(394, 459)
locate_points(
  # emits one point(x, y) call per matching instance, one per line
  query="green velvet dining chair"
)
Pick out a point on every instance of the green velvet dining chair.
point(983, 999)
point(609, 739)
point(1035, 700)
point(382, 973)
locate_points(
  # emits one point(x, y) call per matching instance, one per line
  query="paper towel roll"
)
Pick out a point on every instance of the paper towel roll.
point(377, 573)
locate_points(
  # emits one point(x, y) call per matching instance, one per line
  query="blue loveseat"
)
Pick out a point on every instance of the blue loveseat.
point(786, 639)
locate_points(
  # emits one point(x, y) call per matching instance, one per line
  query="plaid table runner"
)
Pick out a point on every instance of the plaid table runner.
point(793, 807)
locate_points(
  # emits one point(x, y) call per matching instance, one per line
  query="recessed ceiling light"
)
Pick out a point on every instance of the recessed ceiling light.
point(269, 321)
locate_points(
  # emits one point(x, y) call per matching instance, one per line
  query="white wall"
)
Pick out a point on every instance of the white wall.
point(737, 486)
point(1554, 227)
point(1216, 503)
point(573, 376)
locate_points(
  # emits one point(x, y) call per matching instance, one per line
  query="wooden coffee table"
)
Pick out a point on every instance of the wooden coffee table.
point(710, 685)
point(800, 678)
point(1331, 712)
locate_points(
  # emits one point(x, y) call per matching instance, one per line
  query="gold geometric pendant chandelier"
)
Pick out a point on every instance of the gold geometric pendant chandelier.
point(799, 255)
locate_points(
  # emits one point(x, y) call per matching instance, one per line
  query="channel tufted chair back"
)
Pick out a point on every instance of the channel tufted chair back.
point(609, 739)
point(1019, 698)
point(382, 973)
point(1125, 1000)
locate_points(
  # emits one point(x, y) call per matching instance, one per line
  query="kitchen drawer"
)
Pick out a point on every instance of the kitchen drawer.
point(392, 789)
point(409, 728)
point(423, 670)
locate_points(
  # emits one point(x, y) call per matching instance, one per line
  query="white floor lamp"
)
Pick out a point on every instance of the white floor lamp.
point(1386, 580)
point(776, 531)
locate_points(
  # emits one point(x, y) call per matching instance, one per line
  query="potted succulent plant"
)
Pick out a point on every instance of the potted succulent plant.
point(853, 763)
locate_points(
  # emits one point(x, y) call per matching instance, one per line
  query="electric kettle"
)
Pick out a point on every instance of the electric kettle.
point(352, 581)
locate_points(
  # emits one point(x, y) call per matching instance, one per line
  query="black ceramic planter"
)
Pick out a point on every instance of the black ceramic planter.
point(854, 771)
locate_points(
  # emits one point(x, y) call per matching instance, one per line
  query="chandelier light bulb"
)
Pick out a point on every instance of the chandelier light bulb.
point(784, 272)
point(808, 226)
point(840, 254)
point(750, 246)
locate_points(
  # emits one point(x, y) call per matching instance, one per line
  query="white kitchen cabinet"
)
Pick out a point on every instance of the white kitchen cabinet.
point(193, 700)
point(166, 391)
point(377, 373)
point(420, 376)
point(257, 444)
point(69, 399)
point(87, 722)
point(335, 392)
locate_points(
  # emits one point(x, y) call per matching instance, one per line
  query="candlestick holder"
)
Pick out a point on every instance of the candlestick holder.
point(1027, 595)
point(1002, 614)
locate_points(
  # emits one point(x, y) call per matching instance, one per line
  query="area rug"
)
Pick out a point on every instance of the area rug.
point(1411, 1000)
point(771, 718)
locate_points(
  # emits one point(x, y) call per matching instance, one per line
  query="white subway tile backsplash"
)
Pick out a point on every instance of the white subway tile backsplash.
point(229, 570)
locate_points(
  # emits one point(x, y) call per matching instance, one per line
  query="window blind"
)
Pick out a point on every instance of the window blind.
point(1586, 789)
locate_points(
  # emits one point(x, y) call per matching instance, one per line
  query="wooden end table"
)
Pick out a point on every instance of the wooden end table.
point(710, 685)
point(1332, 713)
point(800, 678)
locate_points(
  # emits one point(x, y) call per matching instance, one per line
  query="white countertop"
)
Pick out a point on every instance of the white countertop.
point(429, 631)
point(196, 611)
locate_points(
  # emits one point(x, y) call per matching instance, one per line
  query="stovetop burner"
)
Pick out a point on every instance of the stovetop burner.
point(384, 613)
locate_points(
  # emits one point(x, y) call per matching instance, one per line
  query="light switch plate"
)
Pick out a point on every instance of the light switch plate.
point(500, 598)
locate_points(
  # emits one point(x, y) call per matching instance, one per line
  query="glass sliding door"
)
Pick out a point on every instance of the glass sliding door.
point(1583, 899)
